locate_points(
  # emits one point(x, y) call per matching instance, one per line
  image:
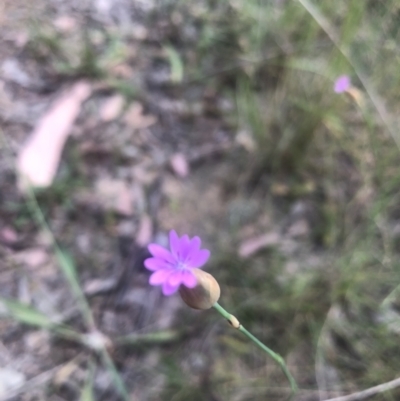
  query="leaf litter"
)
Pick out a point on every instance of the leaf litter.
point(137, 199)
point(39, 157)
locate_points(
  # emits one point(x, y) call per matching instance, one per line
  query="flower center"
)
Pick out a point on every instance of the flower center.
point(181, 266)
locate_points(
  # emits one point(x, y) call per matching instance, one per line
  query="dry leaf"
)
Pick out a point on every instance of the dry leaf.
point(65, 372)
point(99, 286)
point(122, 71)
point(179, 165)
point(114, 195)
point(10, 379)
point(38, 342)
point(65, 23)
point(357, 95)
point(299, 228)
point(32, 257)
point(39, 158)
point(21, 39)
point(144, 174)
point(280, 189)
point(145, 231)
point(12, 70)
point(8, 235)
point(244, 139)
point(112, 108)
point(253, 245)
point(139, 32)
point(136, 119)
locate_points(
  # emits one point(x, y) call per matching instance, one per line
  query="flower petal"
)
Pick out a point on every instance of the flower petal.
point(193, 247)
point(188, 279)
point(175, 279)
point(342, 84)
point(184, 244)
point(161, 253)
point(159, 277)
point(154, 264)
point(169, 289)
point(198, 258)
point(174, 243)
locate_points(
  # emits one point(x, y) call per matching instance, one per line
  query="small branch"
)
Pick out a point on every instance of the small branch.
point(369, 392)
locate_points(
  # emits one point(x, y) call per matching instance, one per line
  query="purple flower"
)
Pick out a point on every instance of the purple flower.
point(173, 268)
point(342, 84)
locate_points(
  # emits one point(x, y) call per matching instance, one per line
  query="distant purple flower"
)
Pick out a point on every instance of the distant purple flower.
point(342, 84)
point(173, 268)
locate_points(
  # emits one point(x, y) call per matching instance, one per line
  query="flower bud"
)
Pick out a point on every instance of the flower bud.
point(204, 295)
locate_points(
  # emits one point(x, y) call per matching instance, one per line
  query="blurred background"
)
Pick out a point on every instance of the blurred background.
point(267, 128)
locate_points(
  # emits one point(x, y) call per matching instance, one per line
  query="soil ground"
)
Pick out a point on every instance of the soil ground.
point(181, 129)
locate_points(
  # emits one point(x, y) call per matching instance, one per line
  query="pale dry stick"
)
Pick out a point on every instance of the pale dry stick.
point(332, 35)
point(369, 392)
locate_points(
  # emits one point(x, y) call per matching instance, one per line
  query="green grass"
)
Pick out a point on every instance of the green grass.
point(277, 62)
point(280, 62)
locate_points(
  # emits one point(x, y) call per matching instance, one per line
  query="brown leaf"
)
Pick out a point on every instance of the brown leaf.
point(114, 195)
point(253, 245)
point(12, 70)
point(39, 158)
point(10, 379)
point(179, 165)
point(8, 235)
point(100, 286)
point(244, 139)
point(122, 71)
point(136, 119)
point(33, 257)
point(112, 108)
point(299, 229)
point(65, 23)
point(145, 231)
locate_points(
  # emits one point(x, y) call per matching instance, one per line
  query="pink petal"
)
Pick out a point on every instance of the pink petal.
point(193, 247)
point(156, 264)
point(169, 289)
point(184, 246)
point(161, 253)
point(199, 258)
point(342, 84)
point(188, 279)
point(159, 277)
point(174, 243)
point(175, 278)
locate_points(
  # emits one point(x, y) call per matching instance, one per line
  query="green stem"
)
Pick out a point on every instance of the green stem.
point(38, 215)
point(234, 322)
point(119, 384)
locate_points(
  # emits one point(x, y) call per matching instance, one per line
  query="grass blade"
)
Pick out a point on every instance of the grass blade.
point(176, 64)
point(87, 391)
point(67, 266)
point(26, 314)
point(65, 261)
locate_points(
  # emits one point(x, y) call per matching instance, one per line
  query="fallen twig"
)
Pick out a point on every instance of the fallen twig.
point(369, 392)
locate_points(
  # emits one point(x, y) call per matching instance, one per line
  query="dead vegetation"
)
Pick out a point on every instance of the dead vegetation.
point(217, 119)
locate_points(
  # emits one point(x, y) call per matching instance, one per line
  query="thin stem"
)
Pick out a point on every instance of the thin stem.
point(38, 215)
point(235, 323)
point(119, 384)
